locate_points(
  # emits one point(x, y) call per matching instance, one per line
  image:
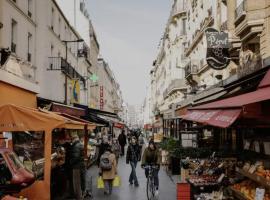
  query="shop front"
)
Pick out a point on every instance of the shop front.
point(37, 136)
point(238, 167)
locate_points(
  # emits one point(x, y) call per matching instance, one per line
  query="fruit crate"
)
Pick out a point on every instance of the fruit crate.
point(183, 191)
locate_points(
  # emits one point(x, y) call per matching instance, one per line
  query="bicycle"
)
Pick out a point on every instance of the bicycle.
point(150, 185)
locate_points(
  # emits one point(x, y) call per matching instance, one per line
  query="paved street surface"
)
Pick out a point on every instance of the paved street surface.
point(127, 192)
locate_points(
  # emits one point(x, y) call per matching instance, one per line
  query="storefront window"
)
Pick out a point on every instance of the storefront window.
point(29, 146)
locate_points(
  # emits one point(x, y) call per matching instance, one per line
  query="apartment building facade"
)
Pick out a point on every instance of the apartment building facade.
point(167, 75)
point(247, 24)
point(50, 45)
point(109, 93)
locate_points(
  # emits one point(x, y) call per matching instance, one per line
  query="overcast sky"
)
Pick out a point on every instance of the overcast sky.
point(129, 32)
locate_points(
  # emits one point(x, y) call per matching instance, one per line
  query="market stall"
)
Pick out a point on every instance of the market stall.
point(239, 126)
point(17, 119)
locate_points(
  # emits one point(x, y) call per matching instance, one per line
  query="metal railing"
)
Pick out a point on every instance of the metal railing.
point(59, 63)
point(224, 26)
point(240, 10)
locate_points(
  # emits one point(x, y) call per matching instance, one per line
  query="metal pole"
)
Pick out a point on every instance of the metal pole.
point(66, 87)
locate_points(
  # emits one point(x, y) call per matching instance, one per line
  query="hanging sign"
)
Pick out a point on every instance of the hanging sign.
point(101, 100)
point(217, 55)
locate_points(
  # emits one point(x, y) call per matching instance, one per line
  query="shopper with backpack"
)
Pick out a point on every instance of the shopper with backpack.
point(108, 169)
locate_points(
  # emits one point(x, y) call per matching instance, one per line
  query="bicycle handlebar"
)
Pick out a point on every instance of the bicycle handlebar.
point(151, 167)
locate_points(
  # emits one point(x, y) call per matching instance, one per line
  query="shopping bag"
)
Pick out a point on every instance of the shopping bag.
point(100, 183)
point(116, 181)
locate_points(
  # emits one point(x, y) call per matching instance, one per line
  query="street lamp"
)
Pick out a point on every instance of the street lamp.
point(66, 42)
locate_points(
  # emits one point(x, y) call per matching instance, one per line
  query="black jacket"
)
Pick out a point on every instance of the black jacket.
point(122, 139)
point(76, 160)
point(133, 153)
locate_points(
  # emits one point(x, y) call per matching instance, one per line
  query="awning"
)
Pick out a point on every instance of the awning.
point(219, 118)
point(261, 94)
point(224, 113)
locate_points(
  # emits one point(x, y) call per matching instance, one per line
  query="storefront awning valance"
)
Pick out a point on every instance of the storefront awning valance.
point(261, 94)
point(219, 118)
point(18, 118)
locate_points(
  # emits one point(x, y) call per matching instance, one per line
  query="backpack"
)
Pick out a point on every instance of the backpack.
point(105, 162)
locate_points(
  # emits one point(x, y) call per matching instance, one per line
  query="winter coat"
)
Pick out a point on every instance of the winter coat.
point(133, 153)
point(110, 174)
point(122, 139)
point(151, 157)
point(76, 160)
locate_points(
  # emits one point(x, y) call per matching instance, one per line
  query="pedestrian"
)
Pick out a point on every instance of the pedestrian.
point(132, 158)
point(108, 169)
point(102, 147)
point(77, 166)
point(152, 157)
point(122, 139)
point(141, 142)
point(116, 148)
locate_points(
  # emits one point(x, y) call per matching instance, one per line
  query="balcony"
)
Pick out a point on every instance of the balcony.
point(178, 11)
point(250, 65)
point(18, 72)
point(191, 73)
point(59, 63)
point(175, 85)
point(224, 26)
point(249, 18)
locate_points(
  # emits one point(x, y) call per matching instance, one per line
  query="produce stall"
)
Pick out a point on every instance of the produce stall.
point(20, 119)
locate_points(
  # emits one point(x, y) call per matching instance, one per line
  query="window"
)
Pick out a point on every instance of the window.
point(29, 47)
point(59, 27)
point(52, 47)
point(13, 35)
point(52, 19)
point(184, 26)
point(30, 7)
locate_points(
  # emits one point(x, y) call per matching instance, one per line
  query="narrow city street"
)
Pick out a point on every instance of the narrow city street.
point(127, 192)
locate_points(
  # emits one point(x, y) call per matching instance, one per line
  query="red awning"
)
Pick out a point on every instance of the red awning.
point(261, 94)
point(219, 118)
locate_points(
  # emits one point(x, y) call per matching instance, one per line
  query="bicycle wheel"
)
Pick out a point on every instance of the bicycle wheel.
point(150, 189)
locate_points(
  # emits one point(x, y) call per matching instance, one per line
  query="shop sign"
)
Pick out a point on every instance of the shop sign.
point(68, 110)
point(75, 97)
point(118, 125)
point(217, 55)
point(101, 100)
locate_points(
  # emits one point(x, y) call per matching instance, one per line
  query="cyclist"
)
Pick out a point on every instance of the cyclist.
point(151, 156)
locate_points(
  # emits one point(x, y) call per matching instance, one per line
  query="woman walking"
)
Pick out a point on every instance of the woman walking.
point(108, 169)
point(133, 157)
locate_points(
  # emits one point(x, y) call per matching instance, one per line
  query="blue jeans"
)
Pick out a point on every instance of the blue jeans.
point(155, 176)
point(133, 176)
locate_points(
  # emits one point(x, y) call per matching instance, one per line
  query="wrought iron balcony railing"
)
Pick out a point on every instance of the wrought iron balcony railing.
point(191, 69)
point(59, 63)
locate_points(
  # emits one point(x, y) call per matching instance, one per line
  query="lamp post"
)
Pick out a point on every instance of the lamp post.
point(66, 42)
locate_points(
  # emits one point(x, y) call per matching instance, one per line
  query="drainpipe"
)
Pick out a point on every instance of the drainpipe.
point(1, 23)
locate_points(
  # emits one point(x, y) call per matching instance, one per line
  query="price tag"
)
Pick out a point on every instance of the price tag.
point(259, 194)
point(221, 178)
point(252, 169)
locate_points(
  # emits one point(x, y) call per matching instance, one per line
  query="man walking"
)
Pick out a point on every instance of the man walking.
point(122, 141)
point(133, 156)
point(77, 166)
